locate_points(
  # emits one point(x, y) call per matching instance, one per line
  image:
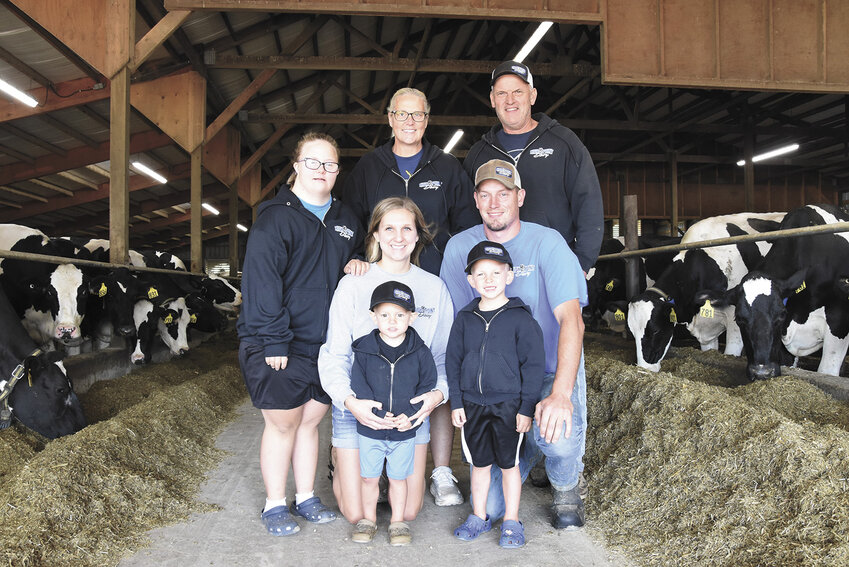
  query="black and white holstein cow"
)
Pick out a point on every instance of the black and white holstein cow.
point(50, 299)
point(165, 314)
point(34, 387)
point(798, 299)
point(653, 314)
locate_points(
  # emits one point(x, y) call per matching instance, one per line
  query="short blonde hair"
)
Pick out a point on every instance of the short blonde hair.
point(408, 91)
point(305, 139)
point(373, 251)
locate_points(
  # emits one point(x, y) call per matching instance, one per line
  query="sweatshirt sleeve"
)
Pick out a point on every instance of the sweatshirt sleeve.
point(529, 344)
point(427, 372)
point(265, 316)
point(584, 193)
point(454, 363)
point(335, 356)
point(360, 385)
point(445, 317)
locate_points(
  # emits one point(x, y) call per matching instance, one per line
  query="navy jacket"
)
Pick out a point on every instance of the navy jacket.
point(292, 265)
point(439, 186)
point(374, 378)
point(495, 362)
point(560, 183)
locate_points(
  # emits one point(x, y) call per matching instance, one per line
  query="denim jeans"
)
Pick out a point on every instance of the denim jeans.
point(563, 458)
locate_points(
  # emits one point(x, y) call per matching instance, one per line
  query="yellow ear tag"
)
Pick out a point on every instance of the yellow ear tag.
point(609, 286)
point(706, 311)
point(801, 288)
point(193, 318)
point(673, 318)
point(619, 315)
point(151, 293)
point(169, 319)
point(102, 291)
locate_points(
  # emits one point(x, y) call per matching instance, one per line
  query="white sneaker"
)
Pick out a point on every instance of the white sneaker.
point(444, 487)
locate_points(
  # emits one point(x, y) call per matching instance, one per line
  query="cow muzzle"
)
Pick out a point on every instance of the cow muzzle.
point(763, 371)
point(68, 334)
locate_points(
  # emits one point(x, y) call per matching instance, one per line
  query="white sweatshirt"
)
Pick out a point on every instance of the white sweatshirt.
point(349, 320)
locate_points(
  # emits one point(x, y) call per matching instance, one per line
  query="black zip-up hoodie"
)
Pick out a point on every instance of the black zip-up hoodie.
point(489, 363)
point(439, 186)
point(560, 183)
point(373, 377)
point(292, 265)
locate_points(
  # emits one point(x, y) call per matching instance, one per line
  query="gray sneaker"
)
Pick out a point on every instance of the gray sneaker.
point(444, 488)
point(567, 509)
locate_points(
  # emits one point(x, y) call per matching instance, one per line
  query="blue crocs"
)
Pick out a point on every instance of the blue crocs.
point(279, 522)
point(512, 534)
point(472, 528)
point(314, 511)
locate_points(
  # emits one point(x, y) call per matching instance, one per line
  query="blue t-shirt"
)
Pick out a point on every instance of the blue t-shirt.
point(407, 165)
point(317, 210)
point(514, 144)
point(546, 274)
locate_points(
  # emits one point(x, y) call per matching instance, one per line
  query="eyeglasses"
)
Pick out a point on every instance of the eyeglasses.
point(329, 166)
point(418, 115)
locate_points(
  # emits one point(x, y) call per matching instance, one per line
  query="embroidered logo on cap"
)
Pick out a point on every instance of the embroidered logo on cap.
point(398, 294)
point(518, 69)
point(503, 171)
point(493, 250)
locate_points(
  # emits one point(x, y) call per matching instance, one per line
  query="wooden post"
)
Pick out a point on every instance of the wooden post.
point(234, 230)
point(119, 167)
point(673, 181)
point(749, 168)
point(632, 272)
point(197, 211)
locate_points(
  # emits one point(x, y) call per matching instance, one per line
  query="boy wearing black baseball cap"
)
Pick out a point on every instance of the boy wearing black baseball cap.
point(495, 364)
point(391, 365)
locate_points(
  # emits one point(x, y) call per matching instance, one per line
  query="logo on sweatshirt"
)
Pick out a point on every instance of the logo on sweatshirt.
point(344, 231)
point(542, 152)
point(426, 312)
point(523, 270)
point(430, 185)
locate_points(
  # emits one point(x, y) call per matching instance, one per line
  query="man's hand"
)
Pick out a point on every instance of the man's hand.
point(523, 423)
point(277, 362)
point(429, 401)
point(458, 417)
point(361, 409)
point(356, 267)
point(551, 413)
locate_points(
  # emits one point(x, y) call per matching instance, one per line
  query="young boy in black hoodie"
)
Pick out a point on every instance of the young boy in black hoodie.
point(391, 365)
point(495, 364)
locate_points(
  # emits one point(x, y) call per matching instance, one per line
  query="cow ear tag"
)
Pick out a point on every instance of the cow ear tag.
point(152, 293)
point(193, 318)
point(102, 291)
point(673, 317)
point(169, 319)
point(706, 311)
point(619, 315)
point(609, 286)
point(801, 288)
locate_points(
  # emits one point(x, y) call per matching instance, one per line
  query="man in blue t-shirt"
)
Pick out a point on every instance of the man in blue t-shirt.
point(548, 277)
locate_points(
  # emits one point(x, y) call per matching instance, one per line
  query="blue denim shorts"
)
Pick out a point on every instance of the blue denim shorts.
point(345, 430)
point(399, 457)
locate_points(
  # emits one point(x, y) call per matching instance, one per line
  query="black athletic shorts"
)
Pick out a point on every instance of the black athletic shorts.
point(489, 434)
point(288, 388)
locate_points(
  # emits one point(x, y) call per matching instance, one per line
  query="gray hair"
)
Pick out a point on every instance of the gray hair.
point(409, 91)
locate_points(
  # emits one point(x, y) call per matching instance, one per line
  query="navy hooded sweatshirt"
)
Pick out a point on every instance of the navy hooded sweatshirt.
point(490, 363)
point(439, 187)
point(373, 377)
point(292, 265)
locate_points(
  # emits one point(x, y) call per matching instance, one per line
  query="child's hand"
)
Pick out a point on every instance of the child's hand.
point(523, 423)
point(402, 422)
point(458, 417)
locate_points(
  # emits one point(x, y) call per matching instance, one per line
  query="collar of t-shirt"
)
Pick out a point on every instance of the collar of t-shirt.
point(392, 354)
point(318, 210)
point(407, 165)
point(514, 144)
point(488, 315)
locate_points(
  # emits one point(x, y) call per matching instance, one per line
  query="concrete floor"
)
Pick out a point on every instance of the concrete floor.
point(235, 536)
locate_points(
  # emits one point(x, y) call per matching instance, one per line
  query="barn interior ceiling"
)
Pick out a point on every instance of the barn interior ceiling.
point(335, 73)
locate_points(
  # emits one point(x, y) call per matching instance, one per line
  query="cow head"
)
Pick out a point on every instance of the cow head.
point(221, 293)
point(760, 311)
point(614, 314)
point(118, 289)
point(61, 298)
point(652, 319)
point(174, 319)
point(203, 315)
point(44, 399)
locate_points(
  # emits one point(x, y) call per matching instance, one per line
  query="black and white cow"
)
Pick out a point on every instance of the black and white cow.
point(43, 398)
point(798, 299)
point(50, 299)
point(204, 315)
point(653, 314)
point(163, 312)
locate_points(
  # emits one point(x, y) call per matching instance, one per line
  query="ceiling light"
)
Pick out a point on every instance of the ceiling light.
point(453, 141)
point(532, 42)
point(17, 94)
point(772, 154)
point(211, 209)
point(149, 172)
point(242, 227)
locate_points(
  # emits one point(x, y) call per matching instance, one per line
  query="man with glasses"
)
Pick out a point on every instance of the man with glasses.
point(562, 186)
point(409, 166)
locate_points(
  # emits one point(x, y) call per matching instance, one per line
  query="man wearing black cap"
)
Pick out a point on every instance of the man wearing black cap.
point(559, 176)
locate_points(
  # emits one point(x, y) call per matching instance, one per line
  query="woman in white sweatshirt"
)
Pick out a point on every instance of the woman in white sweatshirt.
point(396, 236)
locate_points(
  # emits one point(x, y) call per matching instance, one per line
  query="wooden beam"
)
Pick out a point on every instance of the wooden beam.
point(78, 179)
point(67, 130)
point(263, 149)
point(119, 166)
point(228, 113)
point(74, 93)
point(51, 186)
point(275, 181)
point(157, 35)
point(34, 140)
point(24, 68)
point(177, 105)
point(197, 211)
point(4, 149)
point(26, 194)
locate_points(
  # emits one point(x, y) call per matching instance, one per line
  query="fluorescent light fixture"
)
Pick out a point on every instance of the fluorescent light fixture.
point(149, 172)
point(211, 209)
point(772, 154)
point(242, 227)
point(533, 41)
point(17, 94)
point(453, 141)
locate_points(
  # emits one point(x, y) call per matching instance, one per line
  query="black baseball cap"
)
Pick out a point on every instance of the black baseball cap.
point(488, 250)
point(513, 68)
point(393, 292)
